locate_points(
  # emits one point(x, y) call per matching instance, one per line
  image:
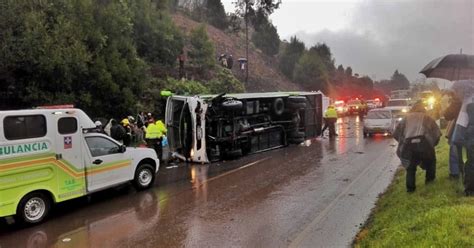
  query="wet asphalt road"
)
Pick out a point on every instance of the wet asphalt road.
point(316, 195)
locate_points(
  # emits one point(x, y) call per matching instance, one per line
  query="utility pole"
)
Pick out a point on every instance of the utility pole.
point(247, 40)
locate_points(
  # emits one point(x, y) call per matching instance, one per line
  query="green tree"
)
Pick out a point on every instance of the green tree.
point(325, 54)
point(78, 52)
point(399, 81)
point(215, 14)
point(311, 72)
point(266, 38)
point(348, 72)
point(290, 56)
point(202, 50)
point(156, 38)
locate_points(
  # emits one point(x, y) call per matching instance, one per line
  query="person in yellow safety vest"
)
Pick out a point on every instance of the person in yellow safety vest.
point(153, 137)
point(161, 126)
point(330, 119)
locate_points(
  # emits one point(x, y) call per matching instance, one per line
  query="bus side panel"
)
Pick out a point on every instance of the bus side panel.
point(21, 176)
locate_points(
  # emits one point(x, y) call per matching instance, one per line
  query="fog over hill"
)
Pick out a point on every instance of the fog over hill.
point(376, 37)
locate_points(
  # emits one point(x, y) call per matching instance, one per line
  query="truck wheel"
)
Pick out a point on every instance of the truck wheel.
point(278, 106)
point(297, 99)
point(33, 208)
point(232, 105)
point(144, 177)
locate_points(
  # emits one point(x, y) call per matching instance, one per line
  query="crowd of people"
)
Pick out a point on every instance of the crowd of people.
point(418, 134)
point(144, 129)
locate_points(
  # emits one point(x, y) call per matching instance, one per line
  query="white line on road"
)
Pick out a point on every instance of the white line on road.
point(230, 172)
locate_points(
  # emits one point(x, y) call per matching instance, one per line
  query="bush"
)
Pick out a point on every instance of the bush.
point(225, 82)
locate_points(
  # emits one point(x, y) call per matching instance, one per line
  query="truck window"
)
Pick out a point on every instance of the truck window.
point(100, 146)
point(67, 125)
point(24, 127)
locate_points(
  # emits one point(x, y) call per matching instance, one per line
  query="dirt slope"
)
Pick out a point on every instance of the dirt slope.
point(263, 74)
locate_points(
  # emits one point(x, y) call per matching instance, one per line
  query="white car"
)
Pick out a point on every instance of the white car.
point(403, 105)
point(381, 121)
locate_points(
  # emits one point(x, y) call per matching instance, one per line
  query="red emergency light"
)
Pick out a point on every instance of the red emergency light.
point(63, 106)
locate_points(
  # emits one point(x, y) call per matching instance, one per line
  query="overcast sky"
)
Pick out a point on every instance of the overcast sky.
point(375, 37)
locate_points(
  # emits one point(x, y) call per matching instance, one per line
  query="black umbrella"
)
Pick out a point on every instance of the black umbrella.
point(451, 67)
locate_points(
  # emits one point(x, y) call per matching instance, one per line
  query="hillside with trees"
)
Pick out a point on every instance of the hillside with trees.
point(112, 58)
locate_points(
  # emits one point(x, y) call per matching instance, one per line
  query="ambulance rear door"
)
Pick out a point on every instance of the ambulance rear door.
point(69, 153)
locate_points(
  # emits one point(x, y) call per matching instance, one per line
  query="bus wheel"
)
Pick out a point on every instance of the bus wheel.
point(144, 177)
point(33, 208)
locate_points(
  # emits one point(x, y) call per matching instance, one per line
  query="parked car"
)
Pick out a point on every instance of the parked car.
point(382, 121)
point(403, 105)
point(341, 108)
point(371, 104)
point(356, 106)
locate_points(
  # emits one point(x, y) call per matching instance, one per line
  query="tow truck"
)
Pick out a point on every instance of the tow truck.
point(209, 128)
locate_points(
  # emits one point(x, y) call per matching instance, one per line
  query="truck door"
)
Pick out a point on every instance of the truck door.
point(71, 181)
point(106, 163)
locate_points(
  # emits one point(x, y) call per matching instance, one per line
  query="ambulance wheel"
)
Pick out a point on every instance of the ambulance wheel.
point(33, 208)
point(144, 177)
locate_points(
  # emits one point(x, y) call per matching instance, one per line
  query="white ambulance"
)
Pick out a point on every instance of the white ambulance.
point(52, 155)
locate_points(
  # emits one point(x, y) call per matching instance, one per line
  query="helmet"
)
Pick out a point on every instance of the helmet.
point(125, 122)
point(98, 123)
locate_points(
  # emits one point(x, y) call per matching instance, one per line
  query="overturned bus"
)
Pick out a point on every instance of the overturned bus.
point(209, 128)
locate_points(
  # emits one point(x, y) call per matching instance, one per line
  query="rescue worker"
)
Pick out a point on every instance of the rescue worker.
point(99, 128)
point(417, 135)
point(153, 137)
point(330, 119)
point(127, 139)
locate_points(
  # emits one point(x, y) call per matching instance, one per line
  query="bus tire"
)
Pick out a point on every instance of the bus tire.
point(33, 208)
point(232, 105)
point(144, 177)
point(278, 106)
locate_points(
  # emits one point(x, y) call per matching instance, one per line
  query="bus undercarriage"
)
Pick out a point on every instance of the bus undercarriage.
point(213, 127)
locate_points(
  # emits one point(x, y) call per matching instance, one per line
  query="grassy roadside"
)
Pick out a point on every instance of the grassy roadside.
point(436, 215)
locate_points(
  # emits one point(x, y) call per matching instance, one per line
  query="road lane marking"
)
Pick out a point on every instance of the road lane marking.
point(212, 179)
point(307, 231)
point(230, 172)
